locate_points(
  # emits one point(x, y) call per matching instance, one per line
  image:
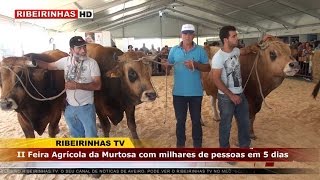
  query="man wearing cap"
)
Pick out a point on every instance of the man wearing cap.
point(82, 76)
point(188, 59)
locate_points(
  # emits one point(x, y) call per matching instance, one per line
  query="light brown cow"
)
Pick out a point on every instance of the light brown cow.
point(125, 84)
point(33, 115)
point(274, 63)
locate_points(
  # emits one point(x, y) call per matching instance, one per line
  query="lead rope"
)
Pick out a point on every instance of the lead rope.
point(260, 89)
point(25, 88)
point(33, 85)
point(255, 66)
point(166, 88)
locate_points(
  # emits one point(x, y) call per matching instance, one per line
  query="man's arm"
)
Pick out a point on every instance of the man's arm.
point(92, 86)
point(165, 64)
point(201, 67)
point(45, 65)
point(220, 85)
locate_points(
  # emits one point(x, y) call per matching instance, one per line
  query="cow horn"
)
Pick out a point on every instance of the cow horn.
point(31, 62)
point(263, 45)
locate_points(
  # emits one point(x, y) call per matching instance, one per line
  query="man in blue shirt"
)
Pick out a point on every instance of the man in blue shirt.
point(188, 59)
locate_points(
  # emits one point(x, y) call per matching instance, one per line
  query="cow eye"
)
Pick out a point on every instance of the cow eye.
point(273, 55)
point(132, 75)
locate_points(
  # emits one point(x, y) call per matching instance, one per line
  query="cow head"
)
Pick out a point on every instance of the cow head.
point(13, 72)
point(277, 58)
point(134, 70)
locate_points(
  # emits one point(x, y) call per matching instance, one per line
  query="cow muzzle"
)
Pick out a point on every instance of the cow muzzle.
point(291, 68)
point(148, 96)
point(8, 104)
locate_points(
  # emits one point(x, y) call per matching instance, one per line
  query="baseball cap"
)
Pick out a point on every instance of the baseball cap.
point(187, 28)
point(77, 41)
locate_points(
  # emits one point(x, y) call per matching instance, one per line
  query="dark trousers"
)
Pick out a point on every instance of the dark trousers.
point(181, 105)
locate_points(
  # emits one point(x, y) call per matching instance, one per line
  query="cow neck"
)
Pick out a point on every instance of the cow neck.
point(259, 67)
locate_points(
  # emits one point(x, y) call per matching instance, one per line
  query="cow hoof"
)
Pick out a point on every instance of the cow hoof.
point(57, 130)
point(137, 143)
point(217, 120)
point(202, 123)
point(253, 137)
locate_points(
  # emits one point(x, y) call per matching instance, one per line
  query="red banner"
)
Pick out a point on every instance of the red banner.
point(160, 154)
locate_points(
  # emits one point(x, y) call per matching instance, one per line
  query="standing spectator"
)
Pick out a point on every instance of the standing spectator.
point(231, 99)
point(82, 76)
point(306, 57)
point(144, 49)
point(130, 48)
point(153, 50)
point(189, 60)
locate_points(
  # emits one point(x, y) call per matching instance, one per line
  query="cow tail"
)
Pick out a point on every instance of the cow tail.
point(316, 90)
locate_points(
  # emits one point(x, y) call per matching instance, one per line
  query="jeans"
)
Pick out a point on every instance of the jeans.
point(181, 105)
point(241, 112)
point(81, 120)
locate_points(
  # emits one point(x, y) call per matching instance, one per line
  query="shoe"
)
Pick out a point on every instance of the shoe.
point(307, 79)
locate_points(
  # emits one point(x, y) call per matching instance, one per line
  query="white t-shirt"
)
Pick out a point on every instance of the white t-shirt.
point(88, 69)
point(231, 73)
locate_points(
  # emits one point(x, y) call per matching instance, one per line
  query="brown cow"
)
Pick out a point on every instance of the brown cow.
point(33, 115)
point(273, 64)
point(125, 84)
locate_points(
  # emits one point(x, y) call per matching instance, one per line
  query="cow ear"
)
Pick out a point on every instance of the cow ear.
point(115, 56)
point(114, 73)
point(254, 48)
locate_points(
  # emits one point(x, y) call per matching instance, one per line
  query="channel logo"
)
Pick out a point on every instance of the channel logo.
point(53, 14)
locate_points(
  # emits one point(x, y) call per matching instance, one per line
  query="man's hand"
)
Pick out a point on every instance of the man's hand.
point(164, 63)
point(189, 64)
point(71, 85)
point(235, 99)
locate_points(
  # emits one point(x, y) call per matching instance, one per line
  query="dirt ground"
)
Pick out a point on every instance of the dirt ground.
point(293, 122)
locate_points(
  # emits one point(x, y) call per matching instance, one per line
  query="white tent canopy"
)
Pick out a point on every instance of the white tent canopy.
point(140, 18)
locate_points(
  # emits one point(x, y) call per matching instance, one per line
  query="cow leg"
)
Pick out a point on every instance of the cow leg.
point(104, 122)
point(201, 121)
point(54, 120)
point(26, 126)
point(213, 101)
point(131, 122)
point(252, 135)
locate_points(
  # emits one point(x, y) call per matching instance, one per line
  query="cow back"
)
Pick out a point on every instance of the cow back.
point(104, 56)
